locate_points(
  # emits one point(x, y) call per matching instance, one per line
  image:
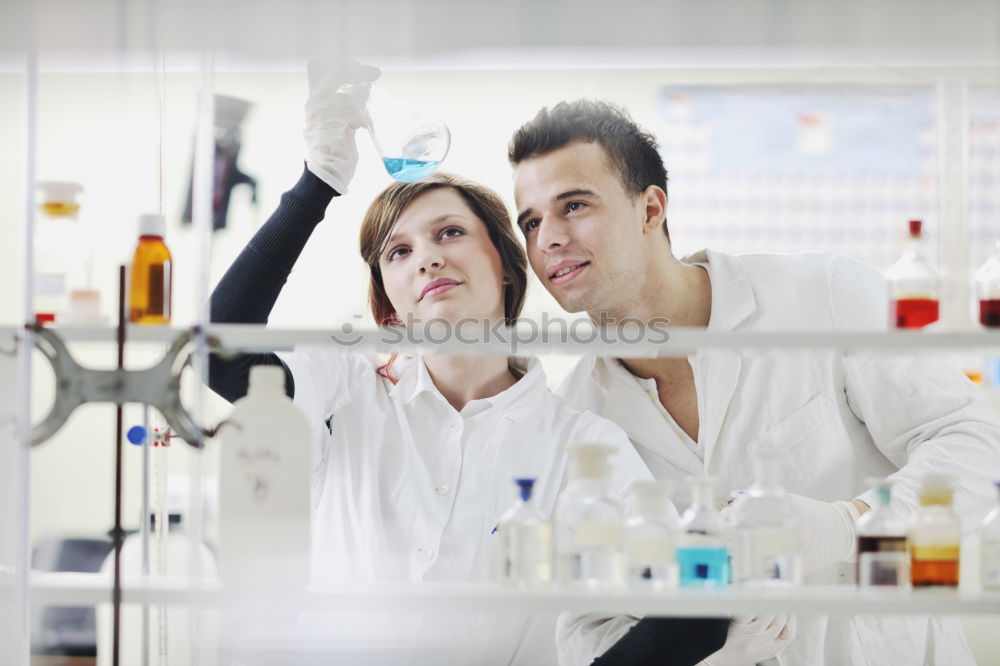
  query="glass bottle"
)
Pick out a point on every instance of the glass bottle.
point(882, 557)
point(702, 558)
point(987, 280)
point(152, 274)
point(588, 522)
point(989, 548)
point(651, 537)
point(62, 251)
point(524, 541)
point(934, 535)
point(768, 545)
point(914, 286)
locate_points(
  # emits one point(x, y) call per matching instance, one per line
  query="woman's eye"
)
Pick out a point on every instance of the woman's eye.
point(452, 232)
point(397, 253)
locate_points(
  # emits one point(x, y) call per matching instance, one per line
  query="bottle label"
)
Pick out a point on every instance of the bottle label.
point(936, 552)
point(649, 551)
point(989, 559)
point(593, 535)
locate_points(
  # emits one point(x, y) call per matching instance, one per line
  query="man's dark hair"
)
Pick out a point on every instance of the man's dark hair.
point(631, 150)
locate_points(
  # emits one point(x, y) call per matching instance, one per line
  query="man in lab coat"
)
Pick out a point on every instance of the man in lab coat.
point(591, 197)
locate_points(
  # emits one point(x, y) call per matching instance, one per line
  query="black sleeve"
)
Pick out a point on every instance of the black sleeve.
point(249, 289)
point(667, 641)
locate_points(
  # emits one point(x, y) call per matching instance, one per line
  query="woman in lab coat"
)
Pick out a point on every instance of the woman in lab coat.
point(414, 458)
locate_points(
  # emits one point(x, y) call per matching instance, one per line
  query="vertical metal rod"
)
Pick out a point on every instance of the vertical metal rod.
point(144, 532)
point(22, 648)
point(117, 534)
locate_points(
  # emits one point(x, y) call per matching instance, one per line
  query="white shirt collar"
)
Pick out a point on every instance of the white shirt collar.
point(414, 379)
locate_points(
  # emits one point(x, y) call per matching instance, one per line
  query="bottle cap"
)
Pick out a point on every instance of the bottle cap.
point(526, 486)
point(268, 378)
point(152, 224)
point(57, 191)
point(916, 228)
point(590, 461)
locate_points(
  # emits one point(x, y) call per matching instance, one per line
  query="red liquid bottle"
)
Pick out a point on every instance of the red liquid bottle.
point(988, 290)
point(913, 284)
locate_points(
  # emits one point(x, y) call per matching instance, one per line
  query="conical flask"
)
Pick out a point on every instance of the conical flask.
point(411, 143)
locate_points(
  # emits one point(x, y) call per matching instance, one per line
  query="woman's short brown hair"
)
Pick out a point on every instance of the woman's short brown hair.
point(486, 204)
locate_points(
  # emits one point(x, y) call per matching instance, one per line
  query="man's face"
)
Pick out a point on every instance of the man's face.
point(583, 231)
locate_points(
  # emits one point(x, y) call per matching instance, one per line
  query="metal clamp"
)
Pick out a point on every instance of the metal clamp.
point(158, 387)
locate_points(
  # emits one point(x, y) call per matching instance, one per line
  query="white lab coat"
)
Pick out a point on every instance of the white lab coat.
point(840, 418)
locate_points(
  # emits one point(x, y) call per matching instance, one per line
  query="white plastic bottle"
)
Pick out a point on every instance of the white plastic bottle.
point(264, 482)
point(588, 522)
point(524, 546)
point(989, 548)
point(651, 537)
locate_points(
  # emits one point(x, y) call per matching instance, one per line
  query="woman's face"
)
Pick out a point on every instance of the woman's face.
point(439, 262)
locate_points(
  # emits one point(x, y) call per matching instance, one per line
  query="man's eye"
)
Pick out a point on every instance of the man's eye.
point(574, 206)
point(531, 225)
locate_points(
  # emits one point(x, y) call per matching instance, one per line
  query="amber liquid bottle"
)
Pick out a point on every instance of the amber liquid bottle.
point(934, 535)
point(152, 274)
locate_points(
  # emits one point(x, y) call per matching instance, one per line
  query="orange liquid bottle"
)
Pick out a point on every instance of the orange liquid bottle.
point(934, 535)
point(152, 274)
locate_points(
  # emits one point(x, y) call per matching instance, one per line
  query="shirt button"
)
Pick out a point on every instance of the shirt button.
point(443, 489)
point(454, 426)
point(426, 553)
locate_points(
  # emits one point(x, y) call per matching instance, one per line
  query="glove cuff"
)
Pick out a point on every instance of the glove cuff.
point(848, 514)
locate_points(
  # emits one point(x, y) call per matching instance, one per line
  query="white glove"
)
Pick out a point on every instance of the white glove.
point(828, 535)
point(752, 639)
point(333, 116)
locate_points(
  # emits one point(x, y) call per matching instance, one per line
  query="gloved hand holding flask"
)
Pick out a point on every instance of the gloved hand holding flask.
point(343, 99)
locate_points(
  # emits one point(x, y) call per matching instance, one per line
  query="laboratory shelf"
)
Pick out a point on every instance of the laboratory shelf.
point(71, 589)
point(529, 339)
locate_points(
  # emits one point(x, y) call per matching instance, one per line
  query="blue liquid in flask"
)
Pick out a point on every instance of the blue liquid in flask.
point(703, 567)
point(408, 171)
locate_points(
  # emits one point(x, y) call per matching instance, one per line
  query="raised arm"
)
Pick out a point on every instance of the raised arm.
point(249, 289)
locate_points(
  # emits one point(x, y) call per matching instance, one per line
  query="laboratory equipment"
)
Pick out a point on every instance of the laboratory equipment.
point(264, 482)
point(989, 548)
point(767, 541)
point(411, 144)
point(176, 560)
point(651, 537)
point(524, 544)
point(702, 556)
point(987, 280)
point(62, 251)
point(151, 275)
point(914, 286)
point(588, 522)
point(934, 535)
point(882, 556)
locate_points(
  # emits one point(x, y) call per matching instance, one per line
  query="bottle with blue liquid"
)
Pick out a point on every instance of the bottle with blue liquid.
point(412, 144)
point(524, 543)
point(702, 558)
